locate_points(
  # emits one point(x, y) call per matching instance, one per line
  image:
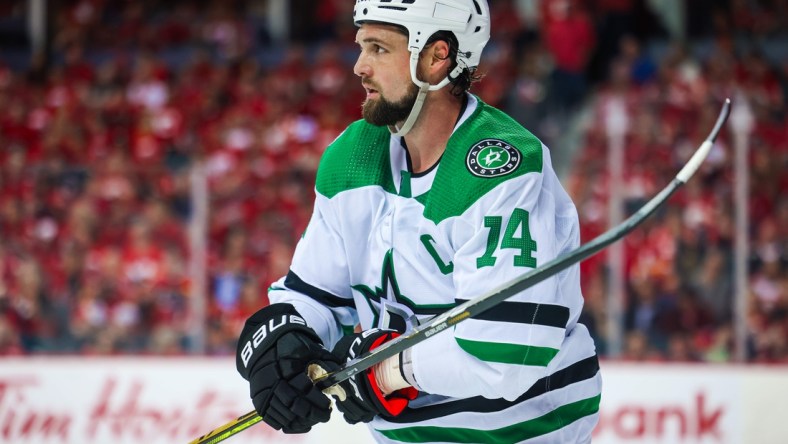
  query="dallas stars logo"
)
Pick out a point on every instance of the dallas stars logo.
point(492, 158)
point(385, 301)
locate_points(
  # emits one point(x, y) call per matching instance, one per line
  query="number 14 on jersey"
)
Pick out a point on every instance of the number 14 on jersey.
point(516, 235)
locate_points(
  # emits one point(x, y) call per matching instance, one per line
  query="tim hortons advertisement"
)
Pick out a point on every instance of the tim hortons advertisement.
point(157, 400)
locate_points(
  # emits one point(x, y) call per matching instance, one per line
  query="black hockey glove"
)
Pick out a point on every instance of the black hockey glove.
point(274, 350)
point(363, 399)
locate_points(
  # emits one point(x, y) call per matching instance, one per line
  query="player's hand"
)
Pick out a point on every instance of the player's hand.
point(274, 350)
point(363, 399)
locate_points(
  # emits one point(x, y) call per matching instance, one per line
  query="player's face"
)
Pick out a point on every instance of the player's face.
point(384, 68)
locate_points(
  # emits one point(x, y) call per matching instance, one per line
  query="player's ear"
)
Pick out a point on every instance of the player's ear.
point(440, 51)
point(436, 60)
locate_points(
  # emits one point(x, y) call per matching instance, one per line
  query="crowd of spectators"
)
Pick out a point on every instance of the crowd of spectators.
point(100, 145)
point(679, 267)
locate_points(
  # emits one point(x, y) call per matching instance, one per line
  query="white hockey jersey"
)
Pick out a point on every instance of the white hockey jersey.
point(389, 248)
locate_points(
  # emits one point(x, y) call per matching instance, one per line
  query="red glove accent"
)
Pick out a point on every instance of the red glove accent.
point(365, 400)
point(396, 401)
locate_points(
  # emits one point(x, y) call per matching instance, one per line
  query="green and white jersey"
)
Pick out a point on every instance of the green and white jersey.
point(389, 248)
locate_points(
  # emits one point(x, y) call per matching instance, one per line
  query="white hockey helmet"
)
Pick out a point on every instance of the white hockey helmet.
point(469, 20)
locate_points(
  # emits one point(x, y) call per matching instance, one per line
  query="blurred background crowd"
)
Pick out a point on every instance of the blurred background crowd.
point(138, 109)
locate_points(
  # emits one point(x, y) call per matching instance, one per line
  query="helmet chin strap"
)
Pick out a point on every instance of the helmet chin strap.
point(424, 88)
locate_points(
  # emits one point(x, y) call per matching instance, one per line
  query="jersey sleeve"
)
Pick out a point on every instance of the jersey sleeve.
point(317, 282)
point(502, 352)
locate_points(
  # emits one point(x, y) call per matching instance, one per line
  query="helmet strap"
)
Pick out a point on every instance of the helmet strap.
point(414, 112)
point(424, 87)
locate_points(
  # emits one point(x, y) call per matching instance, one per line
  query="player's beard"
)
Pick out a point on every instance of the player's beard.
point(382, 112)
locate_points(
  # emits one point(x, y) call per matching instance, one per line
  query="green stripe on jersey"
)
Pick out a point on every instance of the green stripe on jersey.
point(508, 353)
point(519, 432)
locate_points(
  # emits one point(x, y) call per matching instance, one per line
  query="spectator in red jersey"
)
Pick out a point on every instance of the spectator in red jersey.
point(142, 258)
point(569, 36)
point(77, 70)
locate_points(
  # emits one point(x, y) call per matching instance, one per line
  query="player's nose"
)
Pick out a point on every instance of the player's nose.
point(361, 68)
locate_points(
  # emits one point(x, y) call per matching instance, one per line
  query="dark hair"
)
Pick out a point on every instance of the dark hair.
point(468, 76)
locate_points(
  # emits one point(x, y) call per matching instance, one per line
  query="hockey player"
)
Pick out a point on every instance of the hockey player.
point(432, 199)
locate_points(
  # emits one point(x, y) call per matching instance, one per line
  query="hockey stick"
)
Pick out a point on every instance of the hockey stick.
point(481, 303)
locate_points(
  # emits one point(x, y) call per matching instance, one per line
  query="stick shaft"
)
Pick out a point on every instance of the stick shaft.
point(233, 427)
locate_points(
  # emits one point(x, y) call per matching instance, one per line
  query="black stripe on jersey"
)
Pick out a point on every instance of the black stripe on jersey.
point(525, 313)
point(579, 371)
point(295, 283)
point(428, 310)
